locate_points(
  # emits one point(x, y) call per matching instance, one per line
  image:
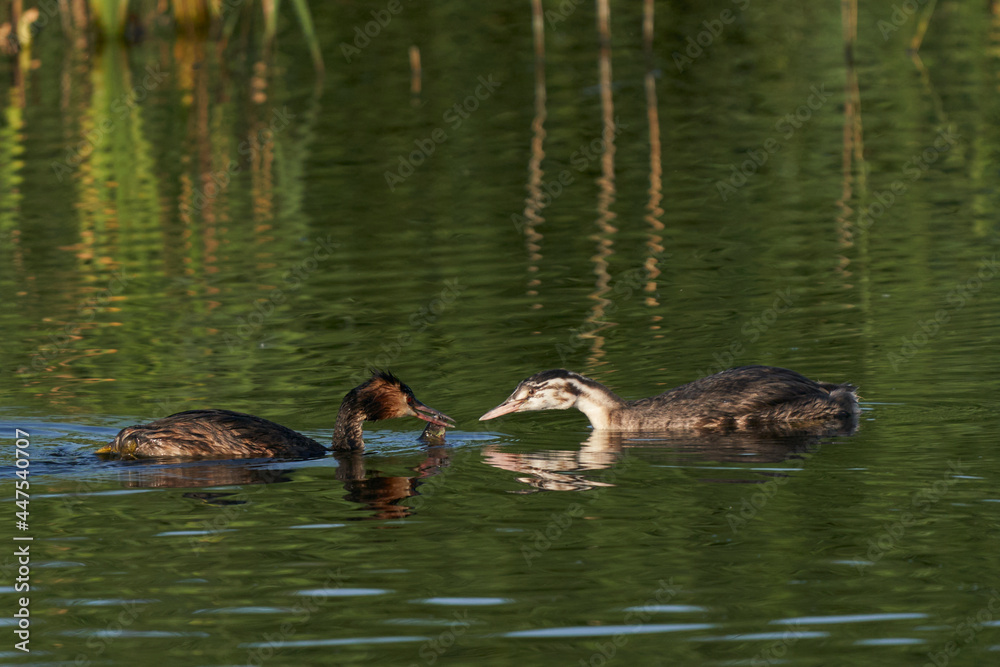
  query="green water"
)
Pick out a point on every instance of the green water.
point(181, 228)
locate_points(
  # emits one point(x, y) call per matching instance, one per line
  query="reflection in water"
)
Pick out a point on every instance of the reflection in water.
point(364, 484)
point(157, 208)
point(383, 495)
point(853, 144)
point(655, 241)
point(416, 75)
point(606, 195)
point(186, 474)
point(536, 201)
point(561, 470)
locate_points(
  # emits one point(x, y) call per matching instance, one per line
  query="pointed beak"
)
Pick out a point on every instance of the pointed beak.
point(105, 450)
point(429, 414)
point(504, 408)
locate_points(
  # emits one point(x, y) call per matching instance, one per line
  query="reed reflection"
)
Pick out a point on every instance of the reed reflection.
point(154, 206)
point(536, 201)
point(655, 238)
point(606, 196)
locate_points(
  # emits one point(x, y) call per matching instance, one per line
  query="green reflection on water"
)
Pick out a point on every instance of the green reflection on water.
point(230, 240)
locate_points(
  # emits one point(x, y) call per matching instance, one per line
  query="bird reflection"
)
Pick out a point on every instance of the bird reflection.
point(560, 470)
point(166, 473)
point(604, 454)
point(381, 495)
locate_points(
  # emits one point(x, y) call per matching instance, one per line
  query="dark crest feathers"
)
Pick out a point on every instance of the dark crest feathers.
point(380, 374)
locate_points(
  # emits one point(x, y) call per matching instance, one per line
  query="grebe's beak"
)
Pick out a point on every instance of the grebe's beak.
point(429, 414)
point(508, 406)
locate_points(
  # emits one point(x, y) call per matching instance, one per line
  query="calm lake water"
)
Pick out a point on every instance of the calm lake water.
point(183, 226)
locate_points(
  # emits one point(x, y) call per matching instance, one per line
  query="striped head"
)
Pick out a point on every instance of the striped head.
point(549, 390)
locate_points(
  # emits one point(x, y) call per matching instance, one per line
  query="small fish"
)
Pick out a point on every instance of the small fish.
point(433, 433)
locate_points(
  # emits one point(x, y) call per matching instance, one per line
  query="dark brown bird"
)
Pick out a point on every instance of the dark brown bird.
point(227, 434)
point(746, 398)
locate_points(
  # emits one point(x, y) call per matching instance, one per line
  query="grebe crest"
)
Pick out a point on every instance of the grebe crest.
point(384, 396)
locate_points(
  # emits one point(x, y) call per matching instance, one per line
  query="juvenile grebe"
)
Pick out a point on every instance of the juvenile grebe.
point(227, 434)
point(746, 398)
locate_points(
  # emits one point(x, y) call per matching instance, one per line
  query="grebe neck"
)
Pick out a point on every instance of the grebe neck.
point(599, 404)
point(347, 432)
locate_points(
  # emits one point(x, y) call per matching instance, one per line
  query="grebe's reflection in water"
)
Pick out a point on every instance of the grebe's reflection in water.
point(383, 495)
point(379, 496)
point(602, 458)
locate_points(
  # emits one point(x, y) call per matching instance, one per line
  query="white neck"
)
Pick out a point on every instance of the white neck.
point(598, 403)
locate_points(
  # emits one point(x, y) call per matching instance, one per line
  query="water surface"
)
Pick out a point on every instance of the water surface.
point(215, 246)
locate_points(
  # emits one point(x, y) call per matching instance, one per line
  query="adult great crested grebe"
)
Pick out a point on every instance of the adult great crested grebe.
point(746, 398)
point(227, 434)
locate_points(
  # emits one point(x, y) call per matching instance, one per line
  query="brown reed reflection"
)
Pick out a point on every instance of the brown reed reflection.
point(655, 240)
point(853, 145)
point(606, 196)
point(150, 204)
point(416, 75)
point(534, 202)
point(604, 453)
point(923, 23)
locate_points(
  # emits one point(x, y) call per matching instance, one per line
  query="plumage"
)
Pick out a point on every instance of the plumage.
point(745, 398)
point(228, 434)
